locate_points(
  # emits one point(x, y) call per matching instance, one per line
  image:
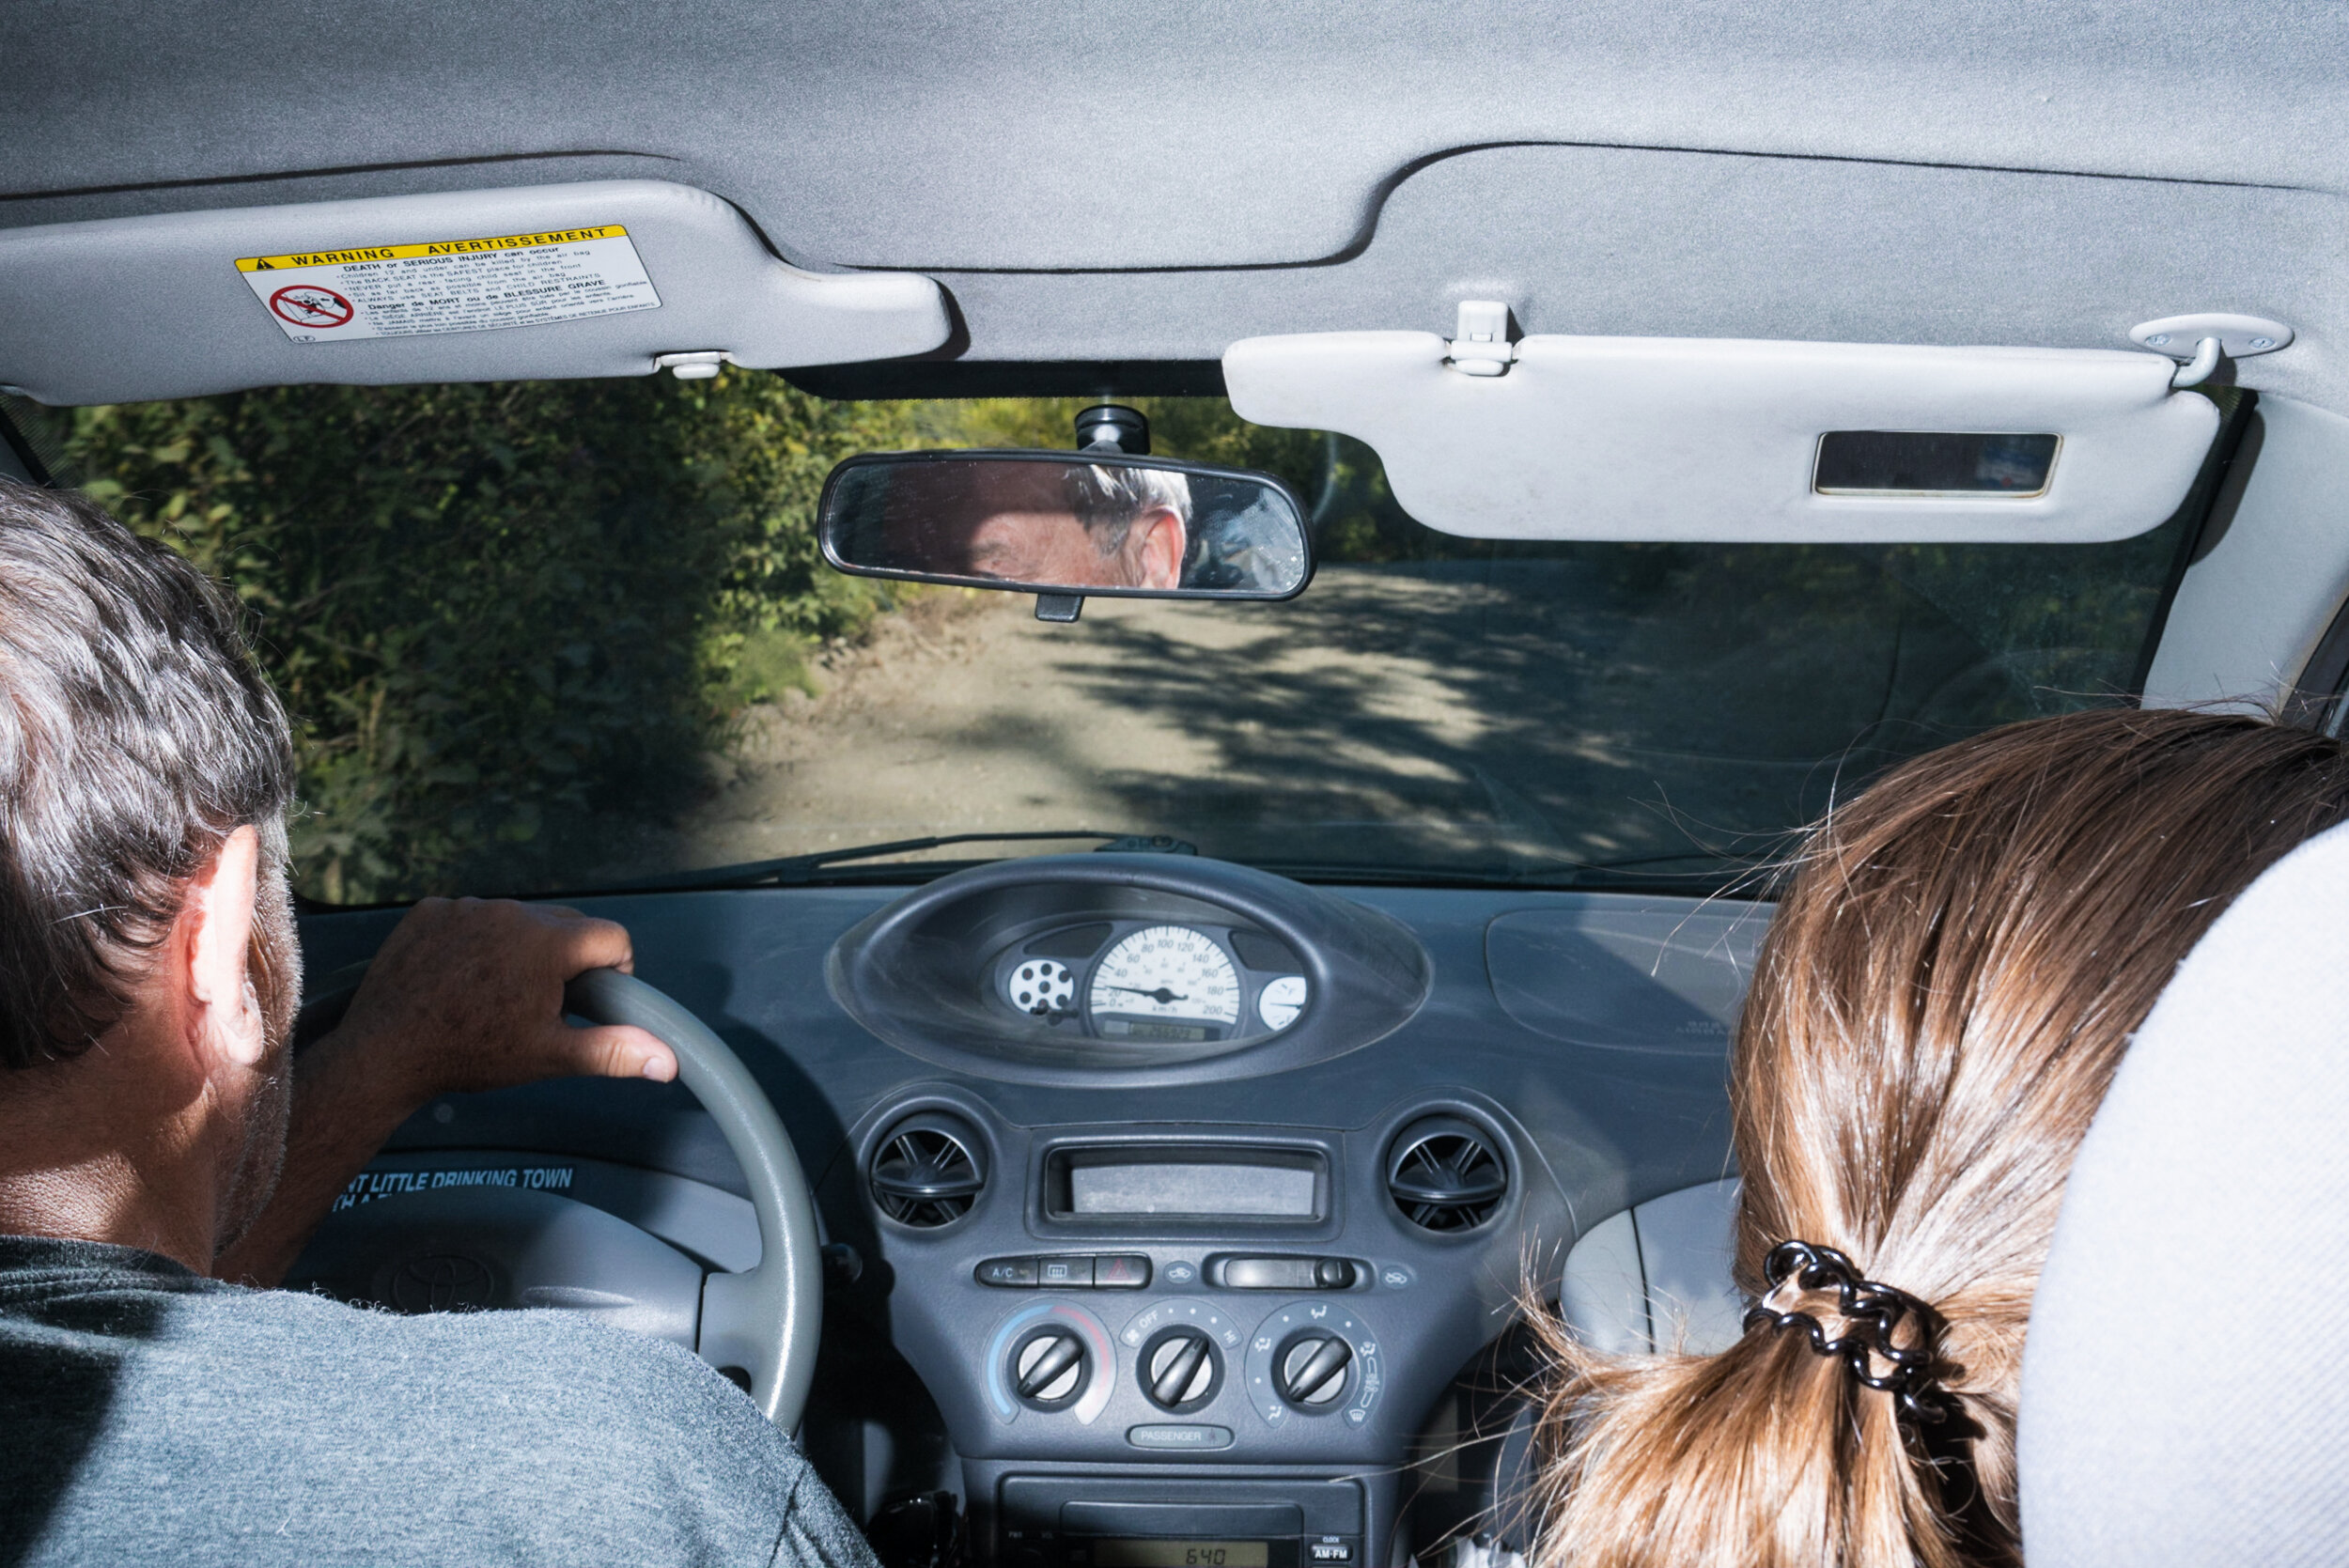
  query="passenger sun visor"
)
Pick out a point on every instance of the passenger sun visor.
point(1737, 440)
point(549, 282)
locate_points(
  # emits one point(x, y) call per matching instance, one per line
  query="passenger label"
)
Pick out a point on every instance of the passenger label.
point(451, 286)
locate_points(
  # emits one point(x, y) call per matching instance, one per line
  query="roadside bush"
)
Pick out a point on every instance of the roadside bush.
point(507, 620)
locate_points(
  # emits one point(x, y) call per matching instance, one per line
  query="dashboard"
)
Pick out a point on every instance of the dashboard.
point(1177, 1213)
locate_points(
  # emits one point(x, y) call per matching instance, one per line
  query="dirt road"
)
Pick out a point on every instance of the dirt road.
point(1448, 712)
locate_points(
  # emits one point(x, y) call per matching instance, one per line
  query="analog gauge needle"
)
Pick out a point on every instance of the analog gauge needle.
point(1162, 995)
point(1146, 967)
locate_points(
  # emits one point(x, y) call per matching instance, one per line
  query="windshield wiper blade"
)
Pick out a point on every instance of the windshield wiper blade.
point(789, 869)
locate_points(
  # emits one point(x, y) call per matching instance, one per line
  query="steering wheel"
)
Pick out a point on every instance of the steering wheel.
point(764, 1320)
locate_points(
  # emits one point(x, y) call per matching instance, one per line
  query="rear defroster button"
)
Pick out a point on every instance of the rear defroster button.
point(1065, 1273)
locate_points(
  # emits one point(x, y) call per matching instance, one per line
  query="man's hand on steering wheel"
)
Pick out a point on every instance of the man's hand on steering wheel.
point(466, 994)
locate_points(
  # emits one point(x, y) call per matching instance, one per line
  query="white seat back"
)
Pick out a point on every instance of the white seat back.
point(2185, 1386)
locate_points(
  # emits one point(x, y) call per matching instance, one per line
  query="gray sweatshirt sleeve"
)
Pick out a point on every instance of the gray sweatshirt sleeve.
point(156, 1420)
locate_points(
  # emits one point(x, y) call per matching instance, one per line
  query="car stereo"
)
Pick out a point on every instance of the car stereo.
point(1072, 1522)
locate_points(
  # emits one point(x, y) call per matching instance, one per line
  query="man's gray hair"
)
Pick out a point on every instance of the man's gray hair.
point(136, 733)
point(1107, 500)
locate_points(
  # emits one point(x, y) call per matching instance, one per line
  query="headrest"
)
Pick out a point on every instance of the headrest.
point(2185, 1387)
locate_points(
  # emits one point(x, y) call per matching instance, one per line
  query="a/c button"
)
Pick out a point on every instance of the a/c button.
point(1006, 1273)
point(1179, 1435)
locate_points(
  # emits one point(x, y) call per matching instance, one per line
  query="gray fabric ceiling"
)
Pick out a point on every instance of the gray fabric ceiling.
point(1989, 173)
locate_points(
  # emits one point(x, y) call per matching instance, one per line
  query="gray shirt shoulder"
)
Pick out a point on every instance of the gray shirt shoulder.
point(147, 1414)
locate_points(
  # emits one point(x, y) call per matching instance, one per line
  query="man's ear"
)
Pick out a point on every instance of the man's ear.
point(1164, 543)
point(217, 931)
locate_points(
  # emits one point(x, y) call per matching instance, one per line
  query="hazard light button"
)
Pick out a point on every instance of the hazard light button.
point(1121, 1271)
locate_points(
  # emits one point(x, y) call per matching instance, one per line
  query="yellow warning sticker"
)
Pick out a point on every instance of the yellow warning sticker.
point(451, 286)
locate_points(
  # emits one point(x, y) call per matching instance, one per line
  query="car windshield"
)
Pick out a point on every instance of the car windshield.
point(570, 636)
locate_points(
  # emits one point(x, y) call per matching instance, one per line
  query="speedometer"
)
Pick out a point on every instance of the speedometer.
point(1168, 972)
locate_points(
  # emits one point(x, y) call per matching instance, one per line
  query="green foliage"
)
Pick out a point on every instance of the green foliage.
point(508, 618)
point(1201, 429)
point(1354, 516)
point(760, 665)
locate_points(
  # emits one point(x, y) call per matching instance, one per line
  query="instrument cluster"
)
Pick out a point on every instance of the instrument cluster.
point(1144, 982)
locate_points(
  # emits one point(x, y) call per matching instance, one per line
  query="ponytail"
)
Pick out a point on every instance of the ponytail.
point(1765, 1455)
point(1946, 989)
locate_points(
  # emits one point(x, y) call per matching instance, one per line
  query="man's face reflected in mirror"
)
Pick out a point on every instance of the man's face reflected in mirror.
point(1075, 525)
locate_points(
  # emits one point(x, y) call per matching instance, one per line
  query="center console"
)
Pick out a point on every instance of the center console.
point(1193, 1346)
point(1206, 1341)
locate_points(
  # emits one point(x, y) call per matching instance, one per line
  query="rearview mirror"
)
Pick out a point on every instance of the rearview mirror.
point(1067, 523)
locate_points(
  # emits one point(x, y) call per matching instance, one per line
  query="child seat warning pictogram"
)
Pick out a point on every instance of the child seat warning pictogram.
point(307, 305)
point(451, 286)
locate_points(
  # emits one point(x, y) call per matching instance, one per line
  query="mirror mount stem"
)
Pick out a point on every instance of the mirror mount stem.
point(1113, 427)
point(1103, 427)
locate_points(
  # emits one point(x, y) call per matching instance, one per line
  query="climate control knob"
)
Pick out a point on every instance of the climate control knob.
point(1180, 1369)
point(1314, 1359)
point(1312, 1370)
point(1048, 1368)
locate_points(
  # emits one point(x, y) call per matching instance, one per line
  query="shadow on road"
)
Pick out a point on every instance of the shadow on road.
point(1522, 712)
point(1522, 709)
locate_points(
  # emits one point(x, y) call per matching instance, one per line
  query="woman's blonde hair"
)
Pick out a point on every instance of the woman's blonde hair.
point(1946, 989)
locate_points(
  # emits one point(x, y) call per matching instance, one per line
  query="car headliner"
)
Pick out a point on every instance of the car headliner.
point(1153, 183)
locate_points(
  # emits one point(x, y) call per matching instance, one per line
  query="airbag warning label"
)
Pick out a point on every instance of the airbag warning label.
point(451, 286)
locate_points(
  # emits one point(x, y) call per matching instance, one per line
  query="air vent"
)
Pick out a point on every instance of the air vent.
point(1446, 1174)
point(927, 1171)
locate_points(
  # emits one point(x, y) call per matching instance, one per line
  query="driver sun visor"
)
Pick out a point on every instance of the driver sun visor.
point(545, 282)
point(1731, 440)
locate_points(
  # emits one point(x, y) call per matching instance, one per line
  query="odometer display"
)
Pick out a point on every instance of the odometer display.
point(1166, 972)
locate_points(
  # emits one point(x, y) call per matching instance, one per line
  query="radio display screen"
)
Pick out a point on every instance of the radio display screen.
point(1244, 1191)
point(1109, 1552)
